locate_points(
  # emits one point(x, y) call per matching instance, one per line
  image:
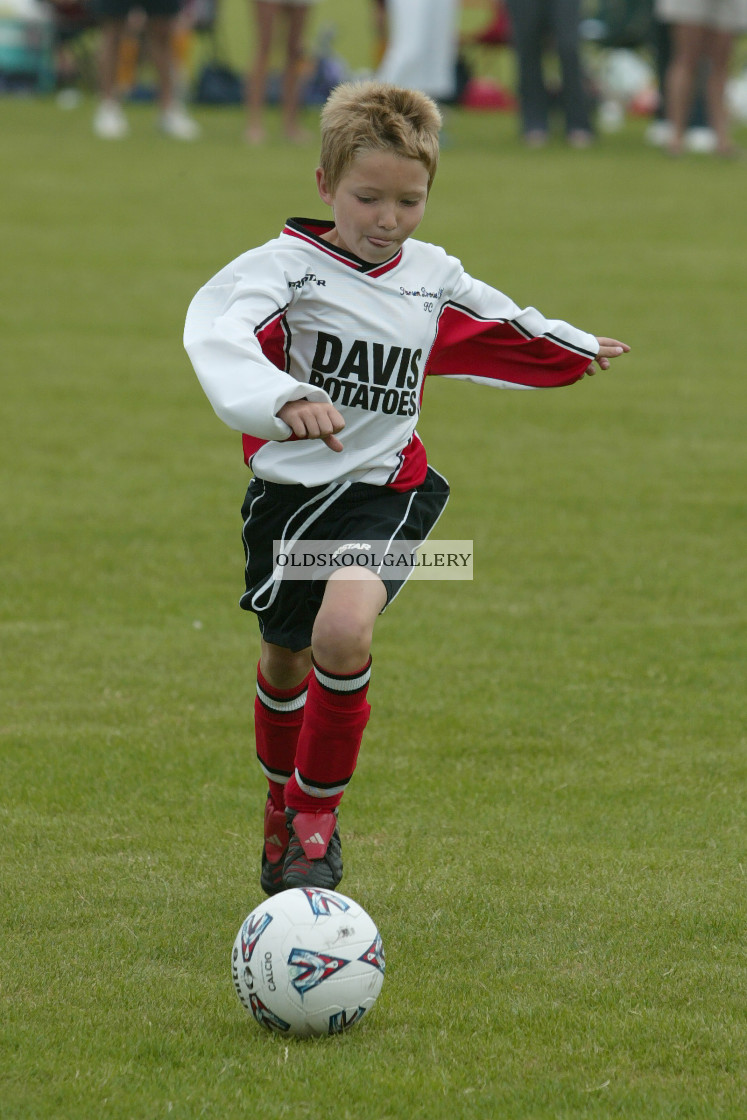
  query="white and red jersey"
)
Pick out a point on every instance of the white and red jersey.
point(298, 317)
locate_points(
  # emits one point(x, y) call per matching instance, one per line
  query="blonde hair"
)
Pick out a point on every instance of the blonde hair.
point(361, 117)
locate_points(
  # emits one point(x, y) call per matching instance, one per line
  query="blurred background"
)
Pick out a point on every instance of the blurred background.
point(50, 48)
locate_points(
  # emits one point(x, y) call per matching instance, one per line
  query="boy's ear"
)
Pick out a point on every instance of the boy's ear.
point(321, 186)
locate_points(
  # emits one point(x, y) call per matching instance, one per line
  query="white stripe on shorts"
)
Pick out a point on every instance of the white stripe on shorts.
point(272, 583)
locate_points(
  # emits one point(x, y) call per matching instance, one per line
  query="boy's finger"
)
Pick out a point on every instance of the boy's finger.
point(332, 443)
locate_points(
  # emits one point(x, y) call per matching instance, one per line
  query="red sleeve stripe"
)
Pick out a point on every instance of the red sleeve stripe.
point(274, 337)
point(500, 350)
point(519, 328)
point(270, 318)
point(251, 445)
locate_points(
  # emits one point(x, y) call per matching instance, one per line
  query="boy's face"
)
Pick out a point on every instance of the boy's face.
point(377, 204)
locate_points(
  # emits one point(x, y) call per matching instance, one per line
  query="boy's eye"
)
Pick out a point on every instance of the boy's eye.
point(367, 200)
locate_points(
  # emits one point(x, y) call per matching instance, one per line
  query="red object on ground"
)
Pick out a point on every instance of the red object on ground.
point(486, 95)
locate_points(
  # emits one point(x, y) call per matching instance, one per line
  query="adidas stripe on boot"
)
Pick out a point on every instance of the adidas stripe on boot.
point(314, 856)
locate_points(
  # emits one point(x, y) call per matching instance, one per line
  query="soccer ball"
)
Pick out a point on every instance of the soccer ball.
point(308, 962)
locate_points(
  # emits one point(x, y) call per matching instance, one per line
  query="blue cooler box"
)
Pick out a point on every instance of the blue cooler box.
point(26, 55)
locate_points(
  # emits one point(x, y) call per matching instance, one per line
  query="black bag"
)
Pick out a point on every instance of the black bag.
point(218, 84)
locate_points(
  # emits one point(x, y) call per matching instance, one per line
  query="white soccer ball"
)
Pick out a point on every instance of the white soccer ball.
point(308, 962)
point(623, 74)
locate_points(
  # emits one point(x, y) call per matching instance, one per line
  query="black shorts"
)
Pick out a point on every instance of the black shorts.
point(120, 9)
point(286, 608)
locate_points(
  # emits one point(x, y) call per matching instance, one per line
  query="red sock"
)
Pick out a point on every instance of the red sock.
point(278, 717)
point(335, 716)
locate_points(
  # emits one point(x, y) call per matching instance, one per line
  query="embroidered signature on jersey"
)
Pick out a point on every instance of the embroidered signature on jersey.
point(421, 293)
point(309, 278)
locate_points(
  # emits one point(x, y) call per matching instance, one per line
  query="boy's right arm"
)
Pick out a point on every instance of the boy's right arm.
point(231, 322)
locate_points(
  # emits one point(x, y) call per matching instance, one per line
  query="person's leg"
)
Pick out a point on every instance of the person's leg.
point(335, 716)
point(336, 708)
point(343, 630)
point(296, 17)
point(282, 684)
point(256, 85)
point(161, 35)
point(687, 47)
point(529, 25)
point(719, 47)
point(110, 38)
point(566, 16)
point(173, 118)
point(282, 681)
point(284, 668)
point(661, 45)
point(109, 121)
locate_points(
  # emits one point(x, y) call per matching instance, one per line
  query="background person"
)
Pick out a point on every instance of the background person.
point(702, 31)
point(699, 136)
point(295, 13)
point(110, 122)
point(421, 47)
point(535, 23)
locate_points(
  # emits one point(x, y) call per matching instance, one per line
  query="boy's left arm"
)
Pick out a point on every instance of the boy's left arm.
point(484, 337)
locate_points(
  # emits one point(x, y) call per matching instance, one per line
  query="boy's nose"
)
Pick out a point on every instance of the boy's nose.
point(388, 219)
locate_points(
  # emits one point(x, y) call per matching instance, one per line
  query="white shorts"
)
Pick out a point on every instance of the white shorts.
point(723, 15)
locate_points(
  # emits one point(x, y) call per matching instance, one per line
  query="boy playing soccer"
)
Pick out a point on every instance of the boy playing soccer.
point(315, 346)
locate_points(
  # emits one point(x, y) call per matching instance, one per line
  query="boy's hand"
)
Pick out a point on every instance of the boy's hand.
point(313, 420)
point(608, 348)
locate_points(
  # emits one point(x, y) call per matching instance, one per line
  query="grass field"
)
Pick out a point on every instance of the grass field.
point(548, 818)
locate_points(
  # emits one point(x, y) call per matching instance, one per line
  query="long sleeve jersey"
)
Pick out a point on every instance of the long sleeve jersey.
point(300, 318)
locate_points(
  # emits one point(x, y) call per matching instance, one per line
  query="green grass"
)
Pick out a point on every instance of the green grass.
point(547, 821)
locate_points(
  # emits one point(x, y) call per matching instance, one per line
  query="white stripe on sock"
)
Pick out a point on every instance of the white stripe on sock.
point(317, 791)
point(291, 705)
point(343, 684)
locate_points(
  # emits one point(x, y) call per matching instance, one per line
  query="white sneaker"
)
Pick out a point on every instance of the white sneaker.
point(702, 140)
point(175, 122)
point(110, 123)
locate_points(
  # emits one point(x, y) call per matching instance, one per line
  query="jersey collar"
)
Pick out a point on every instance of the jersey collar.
point(310, 230)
